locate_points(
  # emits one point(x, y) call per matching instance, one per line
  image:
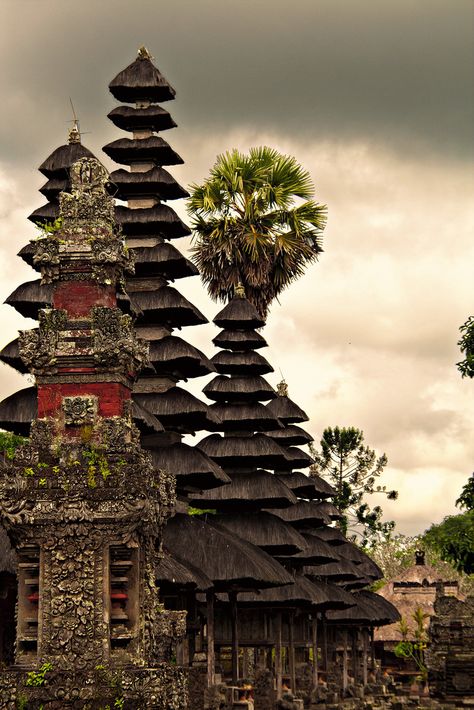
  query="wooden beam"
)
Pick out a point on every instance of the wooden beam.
point(365, 634)
point(344, 661)
point(235, 636)
point(291, 651)
point(211, 657)
point(314, 640)
point(278, 669)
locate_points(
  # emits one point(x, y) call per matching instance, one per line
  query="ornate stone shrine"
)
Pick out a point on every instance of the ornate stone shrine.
point(82, 503)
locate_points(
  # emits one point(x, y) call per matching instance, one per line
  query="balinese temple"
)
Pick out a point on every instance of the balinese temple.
point(82, 502)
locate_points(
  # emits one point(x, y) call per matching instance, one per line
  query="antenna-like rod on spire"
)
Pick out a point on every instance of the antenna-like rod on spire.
point(74, 132)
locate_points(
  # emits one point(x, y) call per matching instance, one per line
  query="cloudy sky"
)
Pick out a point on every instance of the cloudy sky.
point(375, 99)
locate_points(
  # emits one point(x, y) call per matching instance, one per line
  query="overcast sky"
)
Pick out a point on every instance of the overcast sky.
point(375, 99)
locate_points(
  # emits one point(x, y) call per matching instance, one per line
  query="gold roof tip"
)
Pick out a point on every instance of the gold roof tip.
point(143, 53)
point(74, 135)
point(239, 290)
point(282, 389)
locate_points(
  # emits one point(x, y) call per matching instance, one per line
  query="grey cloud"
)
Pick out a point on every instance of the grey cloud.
point(397, 72)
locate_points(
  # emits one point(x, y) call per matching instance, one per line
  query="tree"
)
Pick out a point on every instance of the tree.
point(248, 227)
point(466, 345)
point(352, 469)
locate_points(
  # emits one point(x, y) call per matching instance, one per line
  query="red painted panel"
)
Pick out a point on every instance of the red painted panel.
point(78, 297)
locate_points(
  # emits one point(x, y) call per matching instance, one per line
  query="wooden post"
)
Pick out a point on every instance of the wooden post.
point(291, 651)
point(325, 645)
point(235, 637)
point(372, 650)
point(365, 634)
point(278, 669)
point(355, 670)
point(344, 661)
point(211, 657)
point(314, 641)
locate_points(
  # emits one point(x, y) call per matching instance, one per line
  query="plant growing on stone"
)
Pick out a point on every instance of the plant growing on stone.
point(414, 649)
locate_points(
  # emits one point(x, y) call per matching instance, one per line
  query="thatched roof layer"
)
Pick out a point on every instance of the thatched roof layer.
point(29, 297)
point(241, 363)
point(46, 213)
point(248, 491)
point(287, 411)
point(160, 219)
point(58, 163)
point(129, 118)
point(296, 458)
point(242, 451)
point(290, 435)
point(303, 514)
point(243, 416)
point(192, 468)
point(146, 422)
point(54, 186)
point(301, 485)
point(132, 150)
point(173, 355)
point(331, 535)
point(162, 260)
point(370, 608)
point(178, 409)
point(302, 592)
point(239, 340)
point(322, 486)
point(264, 530)
point(226, 559)
point(10, 356)
point(141, 80)
point(165, 305)
point(239, 389)
point(340, 570)
point(239, 313)
point(315, 551)
point(156, 182)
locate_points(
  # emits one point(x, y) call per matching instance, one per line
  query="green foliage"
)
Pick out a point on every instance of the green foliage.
point(466, 499)
point(352, 469)
point(453, 539)
point(96, 463)
point(10, 442)
point(466, 345)
point(48, 229)
point(201, 511)
point(248, 228)
point(414, 649)
point(38, 678)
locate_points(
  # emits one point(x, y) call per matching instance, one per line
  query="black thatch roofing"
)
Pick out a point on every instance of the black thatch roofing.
point(46, 213)
point(243, 416)
point(18, 410)
point(242, 451)
point(26, 253)
point(10, 356)
point(370, 609)
point(146, 422)
point(226, 559)
point(315, 551)
point(162, 259)
point(301, 485)
point(323, 487)
point(287, 411)
point(290, 435)
point(329, 510)
point(129, 118)
point(139, 150)
point(192, 468)
point(141, 80)
point(264, 530)
point(29, 297)
point(173, 355)
point(241, 363)
point(252, 490)
point(156, 182)
point(179, 410)
point(342, 570)
point(364, 563)
point(54, 186)
point(296, 458)
point(143, 220)
point(302, 592)
point(331, 535)
point(303, 514)
point(61, 159)
point(173, 572)
point(239, 389)
point(239, 313)
point(165, 305)
point(239, 340)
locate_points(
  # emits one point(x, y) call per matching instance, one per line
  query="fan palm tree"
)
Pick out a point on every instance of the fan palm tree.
point(255, 223)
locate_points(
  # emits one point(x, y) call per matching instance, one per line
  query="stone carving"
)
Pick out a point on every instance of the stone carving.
point(79, 410)
point(46, 256)
point(116, 346)
point(282, 389)
point(88, 210)
point(38, 348)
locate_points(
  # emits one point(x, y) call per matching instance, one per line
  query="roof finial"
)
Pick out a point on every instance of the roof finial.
point(74, 135)
point(143, 53)
point(239, 290)
point(282, 389)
